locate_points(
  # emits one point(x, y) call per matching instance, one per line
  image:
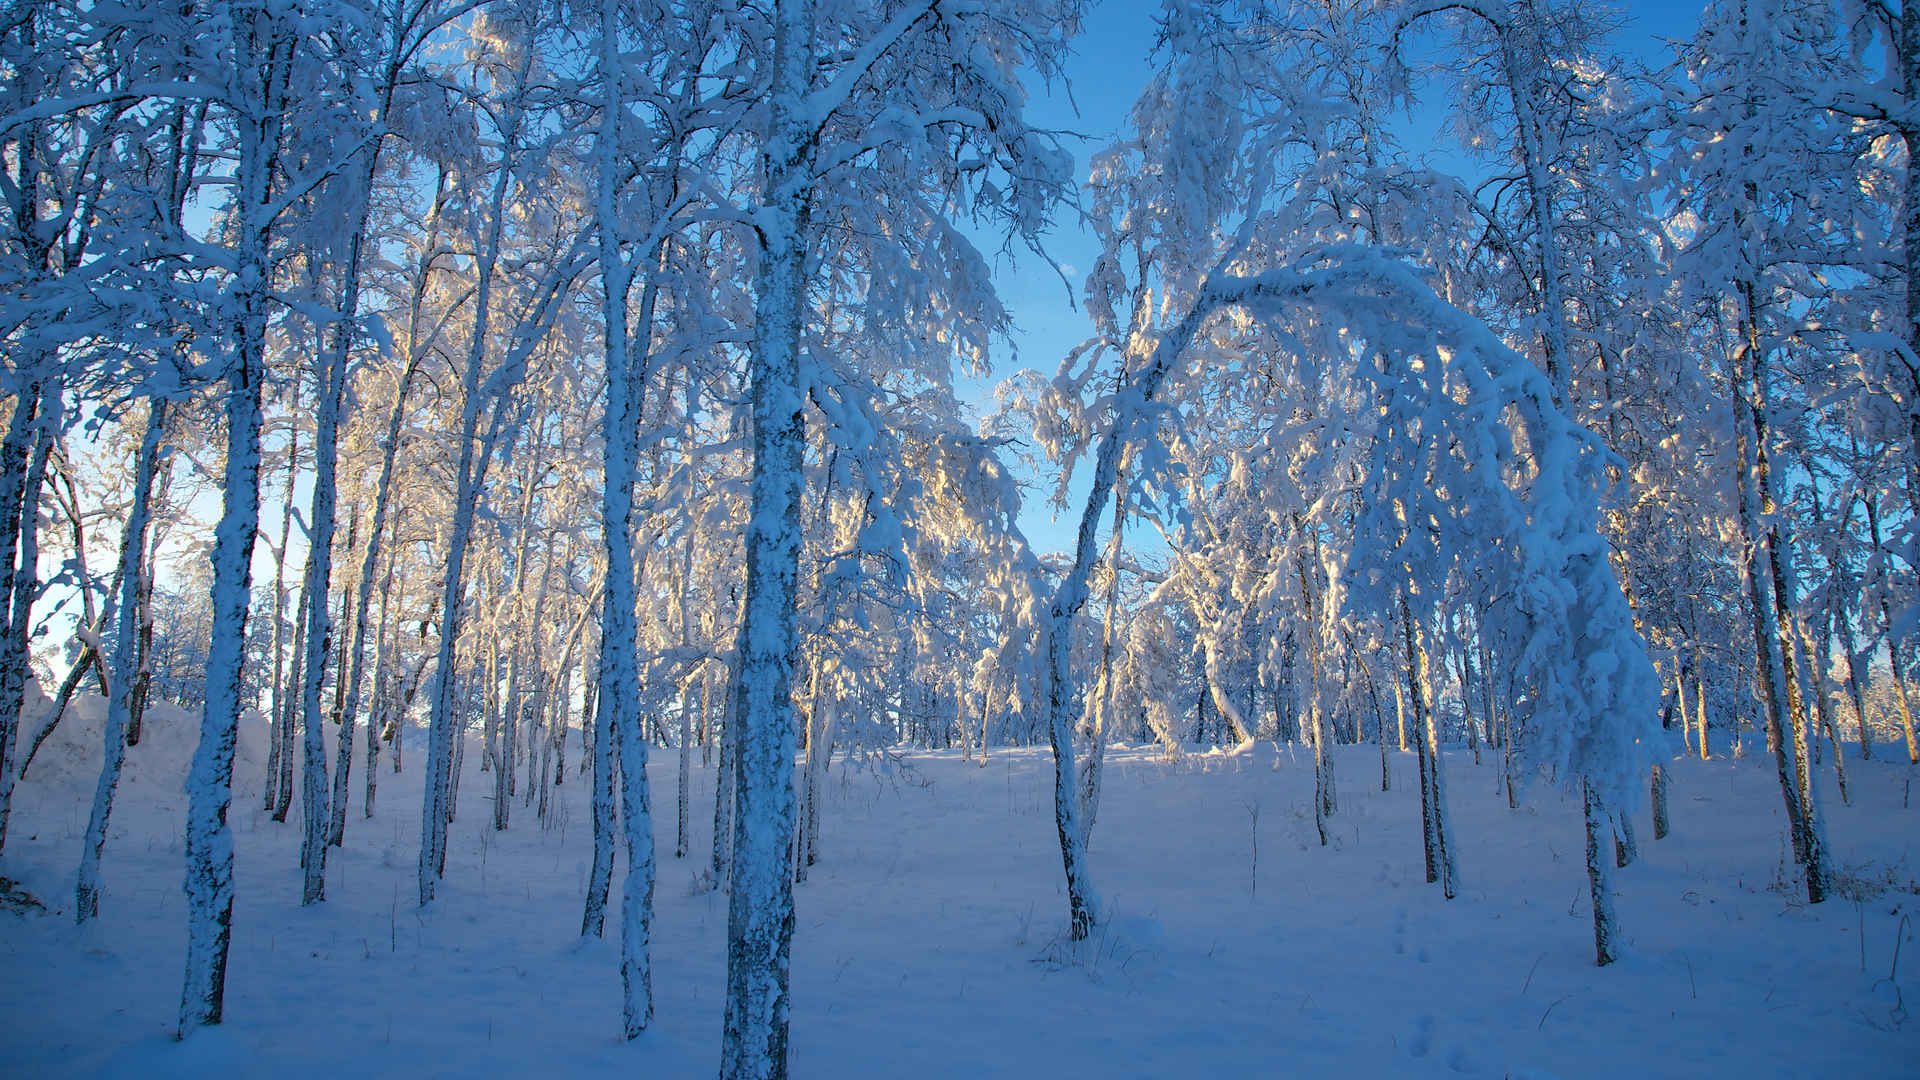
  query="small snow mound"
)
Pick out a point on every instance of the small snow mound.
point(1461, 1059)
point(1253, 753)
point(66, 769)
point(1420, 1042)
point(1137, 931)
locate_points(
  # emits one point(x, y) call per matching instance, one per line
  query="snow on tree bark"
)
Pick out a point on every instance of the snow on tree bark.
point(279, 769)
point(209, 879)
point(760, 896)
point(265, 44)
point(132, 569)
point(1599, 878)
point(620, 727)
point(1658, 781)
point(22, 462)
point(287, 709)
point(1416, 689)
point(684, 774)
point(314, 789)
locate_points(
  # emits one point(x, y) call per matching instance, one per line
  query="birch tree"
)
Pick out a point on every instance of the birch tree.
point(841, 78)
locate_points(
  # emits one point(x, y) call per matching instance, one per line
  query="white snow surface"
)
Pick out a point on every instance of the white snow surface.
point(930, 939)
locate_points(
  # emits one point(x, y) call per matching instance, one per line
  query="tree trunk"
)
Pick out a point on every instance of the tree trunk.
point(1659, 792)
point(619, 677)
point(1680, 704)
point(340, 715)
point(315, 815)
point(1700, 701)
point(1104, 689)
point(289, 713)
point(378, 728)
point(1793, 661)
point(209, 882)
point(1379, 727)
point(24, 581)
point(1823, 659)
point(142, 688)
point(266, 45)
point(681, 805)
point(1894, 658)
point(1769, 671)
point(439, 791)
point(1439, 826)
point(1323, 796)
point(1626, 850)
point(760, 901)
point(133, 547)
point(271, 800)
point(1908, 58)
point(89, 661)
point(1599, 878)
point(722, 860)
point(1429, 831)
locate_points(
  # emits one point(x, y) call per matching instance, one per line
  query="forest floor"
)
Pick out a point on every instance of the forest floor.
point(929, 939)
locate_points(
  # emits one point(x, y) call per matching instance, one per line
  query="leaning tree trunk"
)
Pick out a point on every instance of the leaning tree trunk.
point(133, 548)
point(1769, 671)
point(334, 371)
point(89, 661)
point(444, 744)
point(1791, 661)
point(1855, 692)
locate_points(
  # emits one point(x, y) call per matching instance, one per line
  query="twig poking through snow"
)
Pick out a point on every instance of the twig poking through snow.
point(1860, 914)
point(1899, 935)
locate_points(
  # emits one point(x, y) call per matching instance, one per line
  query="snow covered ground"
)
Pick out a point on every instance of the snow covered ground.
point(930, 934)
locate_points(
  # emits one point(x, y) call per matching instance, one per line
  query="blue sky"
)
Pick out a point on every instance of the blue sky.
point(1108, 68)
